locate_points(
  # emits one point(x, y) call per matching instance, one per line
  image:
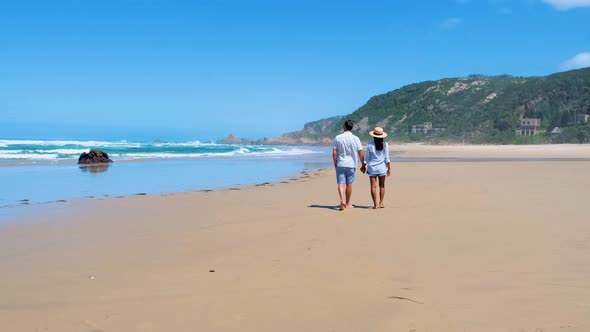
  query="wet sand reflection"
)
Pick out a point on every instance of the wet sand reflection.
point(95, 168)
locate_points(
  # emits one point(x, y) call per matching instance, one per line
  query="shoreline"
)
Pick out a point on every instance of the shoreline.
point(35, 208)
point(73, 162)
point(27, 205)
point(401, 153)
point(40, 183)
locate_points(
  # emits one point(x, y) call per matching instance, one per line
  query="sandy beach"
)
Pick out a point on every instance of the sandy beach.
point(460, 246)
point(420, 150)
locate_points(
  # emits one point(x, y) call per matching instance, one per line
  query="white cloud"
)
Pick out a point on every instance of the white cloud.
point(567, 4)
point(450, 23)
point(581, 60)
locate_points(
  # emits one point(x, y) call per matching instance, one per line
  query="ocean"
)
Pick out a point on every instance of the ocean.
point(39, 151)
point(36, 172)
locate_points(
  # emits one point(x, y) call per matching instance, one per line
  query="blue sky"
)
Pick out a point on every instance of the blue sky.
point(184, 70)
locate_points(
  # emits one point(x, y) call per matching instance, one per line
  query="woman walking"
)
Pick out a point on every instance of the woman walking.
point(376, 165)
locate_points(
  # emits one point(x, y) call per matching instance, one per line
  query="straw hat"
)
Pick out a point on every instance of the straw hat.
point(378, 132)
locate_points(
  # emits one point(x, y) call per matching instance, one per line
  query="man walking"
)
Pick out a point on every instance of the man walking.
point(347, 153)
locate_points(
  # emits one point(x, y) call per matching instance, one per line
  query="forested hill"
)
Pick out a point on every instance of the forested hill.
point(475, 109)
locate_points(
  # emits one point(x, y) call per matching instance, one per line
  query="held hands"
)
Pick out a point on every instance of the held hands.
point(364, 168)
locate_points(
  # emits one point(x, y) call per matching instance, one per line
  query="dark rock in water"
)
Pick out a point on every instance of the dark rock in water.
point(94, 157)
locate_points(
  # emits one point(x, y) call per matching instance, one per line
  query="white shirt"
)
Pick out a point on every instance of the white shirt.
point(376, 160)
point(347, 147)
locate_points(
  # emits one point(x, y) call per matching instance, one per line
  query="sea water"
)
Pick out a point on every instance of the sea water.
point(55, 151)
point(35, 172)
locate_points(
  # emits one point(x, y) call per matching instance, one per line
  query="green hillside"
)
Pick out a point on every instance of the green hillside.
point(474, 109)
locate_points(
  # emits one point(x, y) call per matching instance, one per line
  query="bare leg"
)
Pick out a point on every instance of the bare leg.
point(348, 195)
point(341, 192)
point(381, 191)
point(373, 183)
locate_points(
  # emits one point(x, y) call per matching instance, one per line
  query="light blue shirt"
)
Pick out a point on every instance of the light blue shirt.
point(347, 147)
point(376, 160)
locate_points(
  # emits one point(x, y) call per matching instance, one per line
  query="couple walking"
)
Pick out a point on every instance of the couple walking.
point(348, 152)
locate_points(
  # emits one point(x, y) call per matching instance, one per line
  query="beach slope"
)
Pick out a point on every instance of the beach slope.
point(460, 246)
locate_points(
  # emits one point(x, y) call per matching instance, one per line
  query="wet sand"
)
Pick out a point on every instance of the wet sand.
point(483, 246)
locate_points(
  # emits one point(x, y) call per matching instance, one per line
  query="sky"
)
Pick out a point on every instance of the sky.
point(200, 70)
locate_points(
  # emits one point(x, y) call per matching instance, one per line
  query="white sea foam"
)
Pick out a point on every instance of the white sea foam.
point(289, 152)
point(7, 143)
point(236, 153)
point(242, 151)
point(63, 151)
point(38, 154)
point(193, 143)
point(157, 155)
point(28, 156)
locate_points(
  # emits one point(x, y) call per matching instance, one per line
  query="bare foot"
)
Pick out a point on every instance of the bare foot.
point(349, 206)
point(342, 206)
point(381, 205)
point(374, 207)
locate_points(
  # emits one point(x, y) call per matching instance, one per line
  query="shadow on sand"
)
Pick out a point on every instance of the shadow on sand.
point(335, 207)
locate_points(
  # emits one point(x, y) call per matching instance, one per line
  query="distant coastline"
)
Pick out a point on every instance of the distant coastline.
point(284, 140)
point(477, 109)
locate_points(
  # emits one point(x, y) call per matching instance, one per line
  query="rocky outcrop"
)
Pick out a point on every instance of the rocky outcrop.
point(231, 139)
point(94, 157)
point(314, 133)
